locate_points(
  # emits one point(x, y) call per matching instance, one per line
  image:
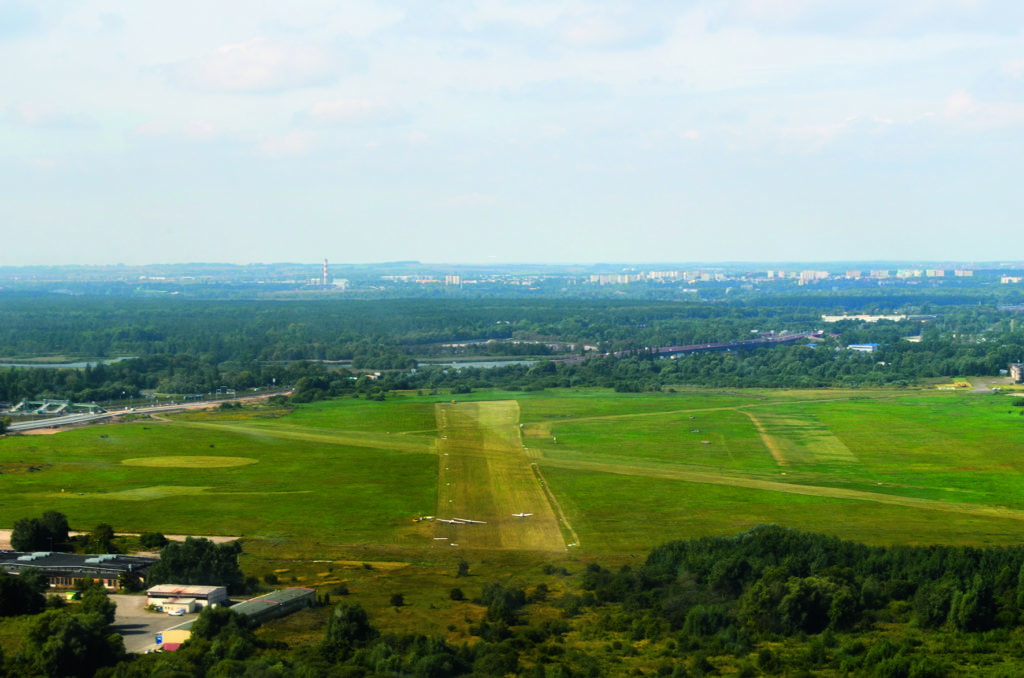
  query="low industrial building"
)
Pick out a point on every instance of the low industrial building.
point(276, 604)
point(171, 597)
point(65, 570)
point(256, 611)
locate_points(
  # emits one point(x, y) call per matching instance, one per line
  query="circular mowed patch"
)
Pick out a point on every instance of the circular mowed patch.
point(190, 462)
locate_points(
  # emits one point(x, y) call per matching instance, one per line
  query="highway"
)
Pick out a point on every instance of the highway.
point(79, 419)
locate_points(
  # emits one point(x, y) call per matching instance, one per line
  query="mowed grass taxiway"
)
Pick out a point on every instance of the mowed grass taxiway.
point(598, 471)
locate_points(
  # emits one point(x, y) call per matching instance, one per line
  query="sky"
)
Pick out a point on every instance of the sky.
point(248, 131)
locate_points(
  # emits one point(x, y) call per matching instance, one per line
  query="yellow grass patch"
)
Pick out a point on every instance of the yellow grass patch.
point(367, 439)
point(375, 564)
point(189, 462)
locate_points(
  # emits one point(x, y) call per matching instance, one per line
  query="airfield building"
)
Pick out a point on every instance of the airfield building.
point(64, 570)
point(169, 597)
point(256, 611)
point(276, 604)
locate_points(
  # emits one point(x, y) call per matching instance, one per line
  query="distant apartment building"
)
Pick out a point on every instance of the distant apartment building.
point(853, 275)
point(809, 276)
point(1010, 279)
point(453, 280)
point(963, 273)
point(863, 317)
point(879, 274)
point(934, 273)
point(1017, 372)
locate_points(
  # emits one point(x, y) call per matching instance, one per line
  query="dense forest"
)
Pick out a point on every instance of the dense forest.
point(184, 346)
point(770, 601)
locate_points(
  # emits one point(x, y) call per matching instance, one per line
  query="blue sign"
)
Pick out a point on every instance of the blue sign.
point(159, 639)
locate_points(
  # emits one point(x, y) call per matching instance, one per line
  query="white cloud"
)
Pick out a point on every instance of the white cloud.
point(350, 111)
point(260, 65)
point(463, 200)
point(47, 115)
point(292, 143)
point(816, 137)
point(1014, 69)
point(963, 109)
point(612, 30)
point(871, 17)
point(195, 130)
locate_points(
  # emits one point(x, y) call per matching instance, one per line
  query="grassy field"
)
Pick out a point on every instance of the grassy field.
point(615, 473)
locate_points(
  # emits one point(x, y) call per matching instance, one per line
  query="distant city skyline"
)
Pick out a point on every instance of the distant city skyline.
point(511, 132)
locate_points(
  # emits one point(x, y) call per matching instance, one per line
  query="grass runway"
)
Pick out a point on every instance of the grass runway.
point(485, 475)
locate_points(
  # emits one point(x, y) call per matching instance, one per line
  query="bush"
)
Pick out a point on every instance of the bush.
point(153, 540)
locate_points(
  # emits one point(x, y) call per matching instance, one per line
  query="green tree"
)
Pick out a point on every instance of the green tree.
point(213, 622)
point(199, 562)
point(20, 595)
point(56, 524)
point(101, 539)
point(96, 601)
point(40, 534)
point(59, 644)
point(975, 609)
point(348, 627)
point(153, 540)
point(28, 534)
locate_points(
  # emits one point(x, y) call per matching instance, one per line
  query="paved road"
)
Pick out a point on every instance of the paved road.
point(138, 626)
point(76, 419)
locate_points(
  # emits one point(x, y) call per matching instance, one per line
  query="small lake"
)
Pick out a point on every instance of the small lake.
point(79, 365)
point(484, 364)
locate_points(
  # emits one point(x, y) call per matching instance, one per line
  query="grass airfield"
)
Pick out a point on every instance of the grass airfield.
point(601, 473)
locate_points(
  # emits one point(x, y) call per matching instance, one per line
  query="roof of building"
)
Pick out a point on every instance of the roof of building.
point(52, 561)
point(184, 590)
point(255, 606)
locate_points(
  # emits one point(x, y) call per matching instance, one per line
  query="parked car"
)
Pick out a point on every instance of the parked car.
point(177, 612)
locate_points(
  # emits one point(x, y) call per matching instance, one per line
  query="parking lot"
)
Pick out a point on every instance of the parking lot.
point(138, 626)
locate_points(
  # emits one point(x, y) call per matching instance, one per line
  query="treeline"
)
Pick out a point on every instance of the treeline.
point(190, 346)
point(169, 374)
point(771, 601)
